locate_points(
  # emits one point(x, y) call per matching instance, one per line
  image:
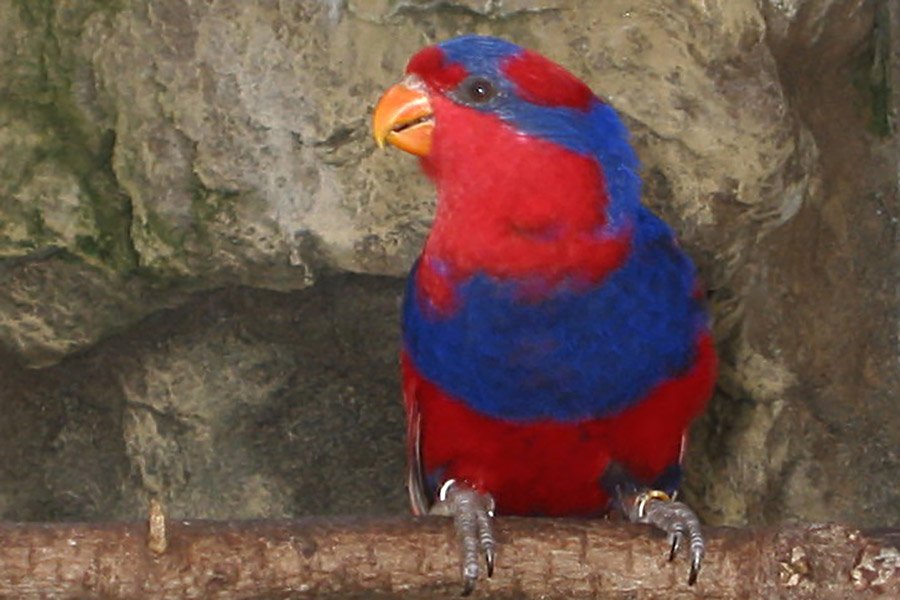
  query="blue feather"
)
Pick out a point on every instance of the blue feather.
point(573, 355)
point(578, 352)
point(598, 133)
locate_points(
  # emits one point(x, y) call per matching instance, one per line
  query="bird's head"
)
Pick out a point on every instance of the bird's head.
point(476, 73)
point(476, 99)
point(533, 171)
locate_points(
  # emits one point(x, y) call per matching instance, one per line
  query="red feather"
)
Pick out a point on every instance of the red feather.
point(541, 81)
point(552, 468)
point(491, 216)
point(430, 64)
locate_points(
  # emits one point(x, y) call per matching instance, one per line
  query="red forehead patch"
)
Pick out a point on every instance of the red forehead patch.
point(542, 81)
point(430, 66)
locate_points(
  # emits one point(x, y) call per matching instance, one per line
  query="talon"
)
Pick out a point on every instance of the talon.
point(468, 586)
point(471, 512)
point(676, 541)
point(698, 548)
point(469, 583)
point(676, 519)
point(695, 569)
point(486, 535)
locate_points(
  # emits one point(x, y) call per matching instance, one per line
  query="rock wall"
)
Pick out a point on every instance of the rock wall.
point(201, 252)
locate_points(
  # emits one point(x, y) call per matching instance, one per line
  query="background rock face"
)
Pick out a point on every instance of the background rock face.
point(201, 253)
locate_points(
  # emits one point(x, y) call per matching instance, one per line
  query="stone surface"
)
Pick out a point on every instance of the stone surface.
point(154, 151)
point(239, 403)
point(200, 144)
point(809, 416)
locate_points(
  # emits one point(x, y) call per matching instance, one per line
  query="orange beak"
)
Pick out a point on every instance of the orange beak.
point(403, 118)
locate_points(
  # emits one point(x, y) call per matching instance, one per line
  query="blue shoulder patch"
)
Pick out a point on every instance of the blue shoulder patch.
point(576, 354)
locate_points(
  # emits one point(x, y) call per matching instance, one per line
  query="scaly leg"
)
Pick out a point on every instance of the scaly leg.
point(472, 512)
point(643, 505)
point(675, 518)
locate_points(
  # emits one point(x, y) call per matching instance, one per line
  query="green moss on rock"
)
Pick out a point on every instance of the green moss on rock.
point(62, 138)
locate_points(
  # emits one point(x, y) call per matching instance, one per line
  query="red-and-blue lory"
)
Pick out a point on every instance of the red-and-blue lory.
point(555, 341)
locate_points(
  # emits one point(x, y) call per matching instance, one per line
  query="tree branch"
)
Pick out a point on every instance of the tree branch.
point(417, 558)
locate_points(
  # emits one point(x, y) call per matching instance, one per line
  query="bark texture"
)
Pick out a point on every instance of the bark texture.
point(416, 558)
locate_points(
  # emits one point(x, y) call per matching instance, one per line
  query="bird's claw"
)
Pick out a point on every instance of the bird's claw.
point(472, 512)
point(677, 520)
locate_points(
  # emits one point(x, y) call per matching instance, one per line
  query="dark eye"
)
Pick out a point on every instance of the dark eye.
point(477, 90)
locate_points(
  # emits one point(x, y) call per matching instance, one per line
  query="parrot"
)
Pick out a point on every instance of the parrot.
point(556, 345)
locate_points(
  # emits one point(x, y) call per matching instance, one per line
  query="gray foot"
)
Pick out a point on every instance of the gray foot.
point(676, 519)
point(472, 512)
